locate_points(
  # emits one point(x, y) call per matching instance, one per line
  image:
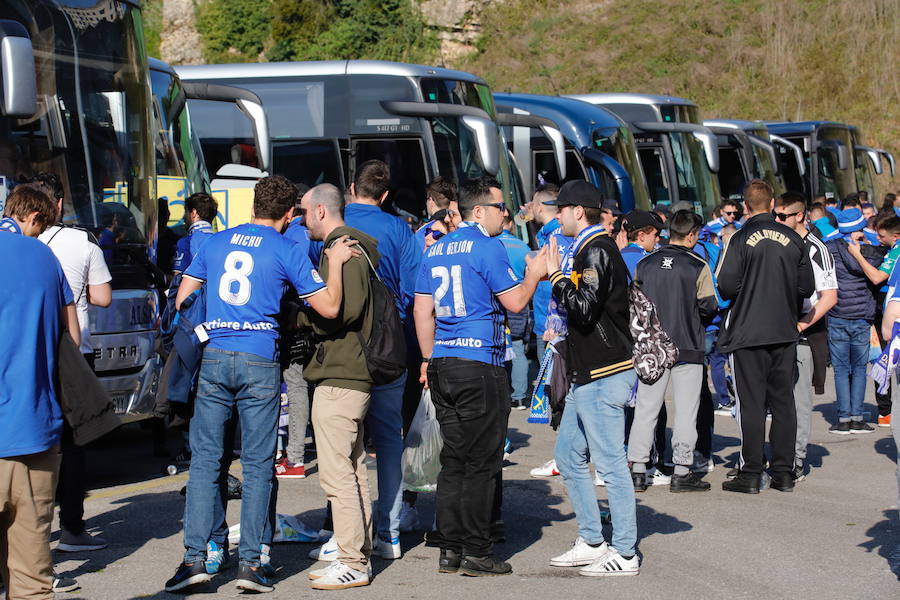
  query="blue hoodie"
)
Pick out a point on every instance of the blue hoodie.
point(541, 300)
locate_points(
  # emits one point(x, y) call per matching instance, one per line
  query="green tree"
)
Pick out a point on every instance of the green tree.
point(234, 30)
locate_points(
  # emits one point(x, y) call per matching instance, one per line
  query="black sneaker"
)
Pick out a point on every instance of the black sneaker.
point(449, 561)
point(798, 473)
point(860, 427)
point(732, 473)
point(188, 575)
point(640, 482)
point(483, 566)
point(840, 428)
point(783, 482)
point(252, 580)
point(744, 483)
point(688, 483)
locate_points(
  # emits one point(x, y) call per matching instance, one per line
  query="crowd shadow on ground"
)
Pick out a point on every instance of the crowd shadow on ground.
point(885, 539)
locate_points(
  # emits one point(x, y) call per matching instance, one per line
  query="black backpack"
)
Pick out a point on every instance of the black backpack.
point(385, 349)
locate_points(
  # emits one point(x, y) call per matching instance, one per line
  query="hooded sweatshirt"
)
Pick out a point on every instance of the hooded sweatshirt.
point(339, 360)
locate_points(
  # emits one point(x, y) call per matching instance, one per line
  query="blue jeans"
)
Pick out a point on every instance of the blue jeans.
point(593, 430)
point(519, 372)
point(252, 384)
point(384, 425)
point(848, 344)
point(716, 361)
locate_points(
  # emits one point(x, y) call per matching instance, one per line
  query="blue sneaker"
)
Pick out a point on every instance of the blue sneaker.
point(253, 580)
point(188, 575)
point(216, 557)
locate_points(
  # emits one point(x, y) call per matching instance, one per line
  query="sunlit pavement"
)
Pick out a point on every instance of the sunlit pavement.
point(837, 536)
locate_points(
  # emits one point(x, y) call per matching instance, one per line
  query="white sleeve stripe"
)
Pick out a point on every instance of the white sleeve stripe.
point(194, 278)
point(509, 289)
point(313, 293)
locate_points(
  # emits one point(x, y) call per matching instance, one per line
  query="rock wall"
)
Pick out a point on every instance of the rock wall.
point(457, 23)
point(180, 41)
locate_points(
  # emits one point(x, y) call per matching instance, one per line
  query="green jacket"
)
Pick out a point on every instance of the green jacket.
point(339, 360)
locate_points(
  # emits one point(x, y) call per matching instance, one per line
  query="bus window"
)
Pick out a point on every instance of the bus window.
point(406, 159)
point(308, 161)
point(544, 165)
point(731, 172)
point(655, 172)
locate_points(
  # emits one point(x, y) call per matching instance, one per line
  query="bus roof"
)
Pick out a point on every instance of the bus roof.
point(626, 98)
point(799, 127)
point(321, 68)
point(750, 126)
point(575, 118)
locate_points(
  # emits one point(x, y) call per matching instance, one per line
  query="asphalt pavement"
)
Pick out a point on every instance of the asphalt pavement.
point(836, 536)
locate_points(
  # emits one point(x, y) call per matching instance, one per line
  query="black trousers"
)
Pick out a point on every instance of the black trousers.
point(472, 403)
point(764, 379)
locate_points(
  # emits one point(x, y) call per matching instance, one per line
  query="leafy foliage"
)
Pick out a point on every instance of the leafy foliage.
point(234, 30)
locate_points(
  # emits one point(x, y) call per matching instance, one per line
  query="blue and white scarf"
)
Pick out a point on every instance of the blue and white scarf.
point(556, 316)
point(9, 224)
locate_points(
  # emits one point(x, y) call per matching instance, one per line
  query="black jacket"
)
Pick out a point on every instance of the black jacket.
point(596, 303)
point(680, 285)
point(766, 273)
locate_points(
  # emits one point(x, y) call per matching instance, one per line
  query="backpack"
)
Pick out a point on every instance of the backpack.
point(654, 351)
point(385, 350)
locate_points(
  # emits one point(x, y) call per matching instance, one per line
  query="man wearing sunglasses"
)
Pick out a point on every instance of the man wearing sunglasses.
point(765, 272)
point(790, 209)
point(729, 214)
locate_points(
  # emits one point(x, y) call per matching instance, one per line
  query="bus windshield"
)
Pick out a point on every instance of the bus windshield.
point(618, 142)
point(696, 183)
point(832, 179)
point(92, 127)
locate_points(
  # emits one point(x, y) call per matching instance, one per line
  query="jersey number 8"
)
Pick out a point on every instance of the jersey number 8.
point(454, 275)
point(238, 266)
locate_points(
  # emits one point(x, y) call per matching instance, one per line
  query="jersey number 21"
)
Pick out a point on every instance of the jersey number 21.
point(449, 276)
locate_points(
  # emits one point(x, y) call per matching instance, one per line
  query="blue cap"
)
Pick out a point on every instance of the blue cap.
point(850, 220)
point(828, 232)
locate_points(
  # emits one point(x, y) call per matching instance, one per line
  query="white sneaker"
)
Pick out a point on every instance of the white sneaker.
point(409, 518)
point(388, 549)
point(612, 564)
point(326, 552)
point(339, 576)
point(580, 554)
point(598, 481)
point(657, 477)
point(548, 469)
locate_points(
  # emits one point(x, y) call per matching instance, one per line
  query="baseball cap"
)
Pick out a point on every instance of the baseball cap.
point(639, 219)
point(612, 206)
point(578, 193)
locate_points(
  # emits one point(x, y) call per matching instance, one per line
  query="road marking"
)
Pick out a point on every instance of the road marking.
point(137, 487)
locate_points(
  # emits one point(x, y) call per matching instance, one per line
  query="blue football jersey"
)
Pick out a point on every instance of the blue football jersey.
point(464, 272)
point(247, 270)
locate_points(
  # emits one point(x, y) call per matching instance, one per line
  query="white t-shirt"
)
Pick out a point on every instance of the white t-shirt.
point(82, 261)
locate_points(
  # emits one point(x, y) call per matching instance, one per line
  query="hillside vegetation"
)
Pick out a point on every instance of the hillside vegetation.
point(743, 59)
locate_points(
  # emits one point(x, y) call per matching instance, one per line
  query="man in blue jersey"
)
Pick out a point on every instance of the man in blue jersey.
point(384, 418)
point(199, 213)
point(464, 285)
point(40, 302)
point(247, 270)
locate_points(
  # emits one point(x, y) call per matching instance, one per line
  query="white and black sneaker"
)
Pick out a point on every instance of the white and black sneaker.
point(611, 565)
point(580, 554)
point(253, 580)
point(860, 427)
point(339, 576)
point(326, 552)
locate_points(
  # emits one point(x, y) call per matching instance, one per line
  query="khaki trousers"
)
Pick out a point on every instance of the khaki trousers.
point(27, 489)
point(337, 416)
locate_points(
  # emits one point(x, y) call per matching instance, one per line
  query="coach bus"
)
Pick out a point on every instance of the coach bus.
point(745, 152)
point(76, 103)
point(599, 148)
point(326, 117)
point(868, 163)
point(679, 155)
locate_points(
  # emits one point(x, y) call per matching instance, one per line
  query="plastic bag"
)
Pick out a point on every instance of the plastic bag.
point(288, 528)
point(540, 399)
point(422, 456)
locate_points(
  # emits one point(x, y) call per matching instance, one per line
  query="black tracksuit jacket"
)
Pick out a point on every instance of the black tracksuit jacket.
point(766, 273)
point(680, 284)
point(595, 299)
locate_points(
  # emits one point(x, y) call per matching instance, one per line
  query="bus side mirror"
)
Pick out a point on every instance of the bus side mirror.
point(17, 65)
point(487, 139)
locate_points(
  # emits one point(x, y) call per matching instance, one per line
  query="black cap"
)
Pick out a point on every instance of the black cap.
point(612, 206)
point(639, 219)
point(578, 193)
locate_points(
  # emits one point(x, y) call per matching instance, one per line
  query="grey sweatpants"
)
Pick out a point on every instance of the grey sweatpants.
point(686, 380)
point(803, 401)
point(298, 412)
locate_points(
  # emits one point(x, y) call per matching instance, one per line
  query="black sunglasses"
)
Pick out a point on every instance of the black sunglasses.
point(498, 205)
point(785, 216)
point(731, 213)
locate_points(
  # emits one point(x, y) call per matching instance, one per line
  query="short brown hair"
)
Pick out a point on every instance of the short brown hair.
point(890, 224)
point(594, 215)
point(633, 235)
point(205, 205)
point(273, 196)
point(789, 199)
point(373, 179)
point(758, 195)
point(29, 198)
point(442, 191)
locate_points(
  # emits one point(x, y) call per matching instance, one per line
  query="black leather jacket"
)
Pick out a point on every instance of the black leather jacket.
point(596, 303)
